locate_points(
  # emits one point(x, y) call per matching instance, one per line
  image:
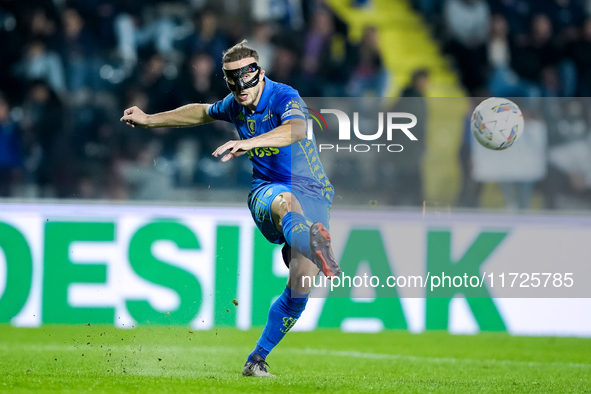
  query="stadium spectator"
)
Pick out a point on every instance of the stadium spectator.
point(498, 48)
point(159, 86)
point(418, 86)
point(202, 81)
point(569, 152)
point(207, 38)
point(468, 23)
point(163, 93)
point(328, 57)
point(134, 32)
point(12, 39)
point(41, 63)
point(78, 52)
point(99, 18)
point(288, 13)
point(517, 13)
point(538, 53)
point(41, 26)
point(503, 81)
point(408, 164)
point(321, 31)
point(261, 41)
point(285, 69)
point(369, 74)
point(98, 152)
point(130, 141)
point(11, 153)
point(93, 143)
point(566, 16)
point(43, 127)
point(580, 52)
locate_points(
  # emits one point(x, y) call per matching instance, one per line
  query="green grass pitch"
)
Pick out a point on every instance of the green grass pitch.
point(70, 359)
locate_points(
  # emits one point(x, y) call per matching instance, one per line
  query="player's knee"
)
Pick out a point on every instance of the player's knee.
point(286, 202)
point(282, 204)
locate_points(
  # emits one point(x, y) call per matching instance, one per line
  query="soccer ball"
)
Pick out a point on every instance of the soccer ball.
point(497, 123)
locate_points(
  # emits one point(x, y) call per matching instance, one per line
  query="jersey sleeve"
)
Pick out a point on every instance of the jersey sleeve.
point(290, 106)
point(223, 109)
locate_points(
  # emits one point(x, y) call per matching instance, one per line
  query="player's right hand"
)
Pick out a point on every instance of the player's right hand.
point(134, 117)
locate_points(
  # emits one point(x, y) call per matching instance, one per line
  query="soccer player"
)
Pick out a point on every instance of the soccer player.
point(291, 196)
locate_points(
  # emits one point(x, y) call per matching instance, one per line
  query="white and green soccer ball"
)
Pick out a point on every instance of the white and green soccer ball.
point(497, 123)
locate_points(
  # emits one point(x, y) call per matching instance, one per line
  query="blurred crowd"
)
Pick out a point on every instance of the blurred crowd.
point(516, 48)
point(524, 48)
point(69, 67)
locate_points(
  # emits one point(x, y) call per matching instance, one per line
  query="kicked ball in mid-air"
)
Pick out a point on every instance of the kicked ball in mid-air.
point(497, 123)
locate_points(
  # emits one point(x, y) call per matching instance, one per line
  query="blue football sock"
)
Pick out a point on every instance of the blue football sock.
point(283, 314)
point(297, 233)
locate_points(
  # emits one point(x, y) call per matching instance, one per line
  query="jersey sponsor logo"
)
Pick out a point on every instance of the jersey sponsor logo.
point(252, 126)
point(262, 152)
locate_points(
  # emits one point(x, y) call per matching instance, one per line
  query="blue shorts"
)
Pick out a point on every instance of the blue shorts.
point(316, 208)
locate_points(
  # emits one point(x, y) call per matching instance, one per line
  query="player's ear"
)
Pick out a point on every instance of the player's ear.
point(262, 75)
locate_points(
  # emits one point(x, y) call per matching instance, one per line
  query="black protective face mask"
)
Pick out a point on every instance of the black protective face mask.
point(236, 77)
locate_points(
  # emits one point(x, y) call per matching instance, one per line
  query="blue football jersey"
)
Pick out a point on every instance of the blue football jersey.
point(297, 165)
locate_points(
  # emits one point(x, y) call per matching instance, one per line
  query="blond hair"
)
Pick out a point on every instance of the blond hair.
point(238, 52)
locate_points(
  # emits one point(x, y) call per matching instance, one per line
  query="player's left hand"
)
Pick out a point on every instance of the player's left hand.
point(236, 148)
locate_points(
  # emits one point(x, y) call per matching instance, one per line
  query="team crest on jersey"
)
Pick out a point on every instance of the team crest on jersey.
point(268, 192)
point(252, 126)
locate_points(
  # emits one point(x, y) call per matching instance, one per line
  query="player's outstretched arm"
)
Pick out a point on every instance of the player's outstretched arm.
point(187, 115)
point(288, 133)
